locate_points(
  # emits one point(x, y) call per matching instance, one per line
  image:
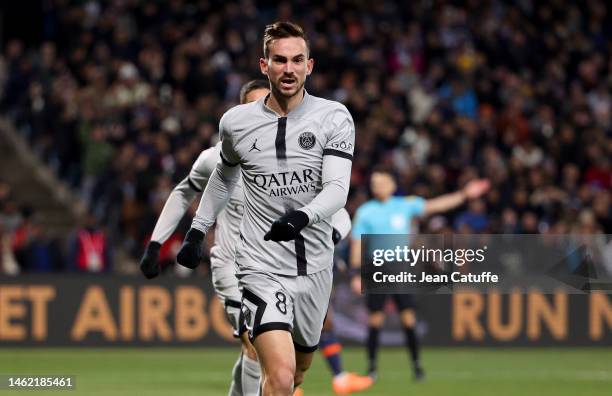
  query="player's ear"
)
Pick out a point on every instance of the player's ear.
point(263, 66)
point(309, 66)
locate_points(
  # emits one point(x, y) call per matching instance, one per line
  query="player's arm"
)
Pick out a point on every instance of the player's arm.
point(360, 226)
point(355, 255)
point(341, 225)
point(336, 176)
point(216, 195)
point(336, 181)
point(175, 207)
point(446, 202)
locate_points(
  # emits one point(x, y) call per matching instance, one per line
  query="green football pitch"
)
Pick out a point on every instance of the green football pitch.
point(206, 371)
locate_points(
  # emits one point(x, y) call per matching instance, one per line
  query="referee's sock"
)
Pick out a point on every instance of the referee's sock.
point(331, 348)
point(372, 349)
point(412, 343)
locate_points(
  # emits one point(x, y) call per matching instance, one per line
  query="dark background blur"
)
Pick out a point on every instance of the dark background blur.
point(115, 100)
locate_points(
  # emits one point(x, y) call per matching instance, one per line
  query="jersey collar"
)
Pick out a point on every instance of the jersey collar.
point(297, 112)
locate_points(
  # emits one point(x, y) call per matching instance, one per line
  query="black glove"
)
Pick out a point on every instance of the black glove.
point(336, 236)
point(191, 251)
point(287, 227)
point(148, 262)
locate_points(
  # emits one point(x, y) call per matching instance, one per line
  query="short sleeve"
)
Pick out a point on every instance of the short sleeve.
point(415, 206)
point(228, 153)
point(341, 138)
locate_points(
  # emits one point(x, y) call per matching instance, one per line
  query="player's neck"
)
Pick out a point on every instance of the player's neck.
point(282, 105)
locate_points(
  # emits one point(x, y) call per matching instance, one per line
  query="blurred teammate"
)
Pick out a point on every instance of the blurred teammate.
point(294, 152)
point(388, 214)
point(246, 372)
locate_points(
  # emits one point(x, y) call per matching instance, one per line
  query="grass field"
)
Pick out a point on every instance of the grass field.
point(206, 372)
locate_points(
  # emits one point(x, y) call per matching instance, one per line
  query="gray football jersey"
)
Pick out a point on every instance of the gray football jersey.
point(228, 221)
point(281, 162)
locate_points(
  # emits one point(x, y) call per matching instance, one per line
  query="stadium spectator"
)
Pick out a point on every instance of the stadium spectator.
point(90, 248)
point(8, 263)
point(36, 252)
point(438, 92)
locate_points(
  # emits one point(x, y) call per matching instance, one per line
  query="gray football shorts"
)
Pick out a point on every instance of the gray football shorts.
point(297, 304)
point(225, 284)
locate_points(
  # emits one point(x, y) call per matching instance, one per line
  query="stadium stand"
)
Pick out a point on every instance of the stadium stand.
point(119, 97)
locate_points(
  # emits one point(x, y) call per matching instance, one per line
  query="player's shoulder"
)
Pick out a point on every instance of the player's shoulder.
point(242, 111)
point(327, 105)
point(330, 115)
point(216, 148)
point(207, 159)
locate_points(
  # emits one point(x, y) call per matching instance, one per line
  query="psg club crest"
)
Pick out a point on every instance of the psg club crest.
point(307, 140)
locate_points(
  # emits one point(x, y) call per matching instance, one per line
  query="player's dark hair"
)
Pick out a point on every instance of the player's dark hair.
point(279, 30)
point(252, 86)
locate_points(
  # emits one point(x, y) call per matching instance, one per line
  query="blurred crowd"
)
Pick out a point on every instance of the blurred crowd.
point(26, 246)
point(121, 96)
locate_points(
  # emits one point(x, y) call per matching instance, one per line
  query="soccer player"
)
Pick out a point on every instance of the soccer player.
point(388, 214)
point(246, 372)
point(294, 152)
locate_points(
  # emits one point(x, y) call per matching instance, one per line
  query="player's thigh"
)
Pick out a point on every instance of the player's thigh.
point(267, 303)
point(312, 296)
point(276, 353)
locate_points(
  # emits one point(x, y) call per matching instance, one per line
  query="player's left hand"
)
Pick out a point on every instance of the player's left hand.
point(287, 227)
point(476, 188)
point(148, 263)
point(191, 251)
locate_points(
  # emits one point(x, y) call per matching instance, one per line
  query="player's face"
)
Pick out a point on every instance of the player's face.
point(255, 95)
point(382, 185)
point(287, 66)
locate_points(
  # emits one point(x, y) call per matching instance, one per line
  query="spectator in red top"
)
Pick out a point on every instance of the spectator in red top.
point(90, 248)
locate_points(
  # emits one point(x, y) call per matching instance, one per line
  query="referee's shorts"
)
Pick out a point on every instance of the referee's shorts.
point(376, 302)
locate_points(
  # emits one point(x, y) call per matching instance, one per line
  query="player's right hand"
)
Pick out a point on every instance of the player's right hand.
point(287, 227)
point(148, 262)
point(191, 251)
